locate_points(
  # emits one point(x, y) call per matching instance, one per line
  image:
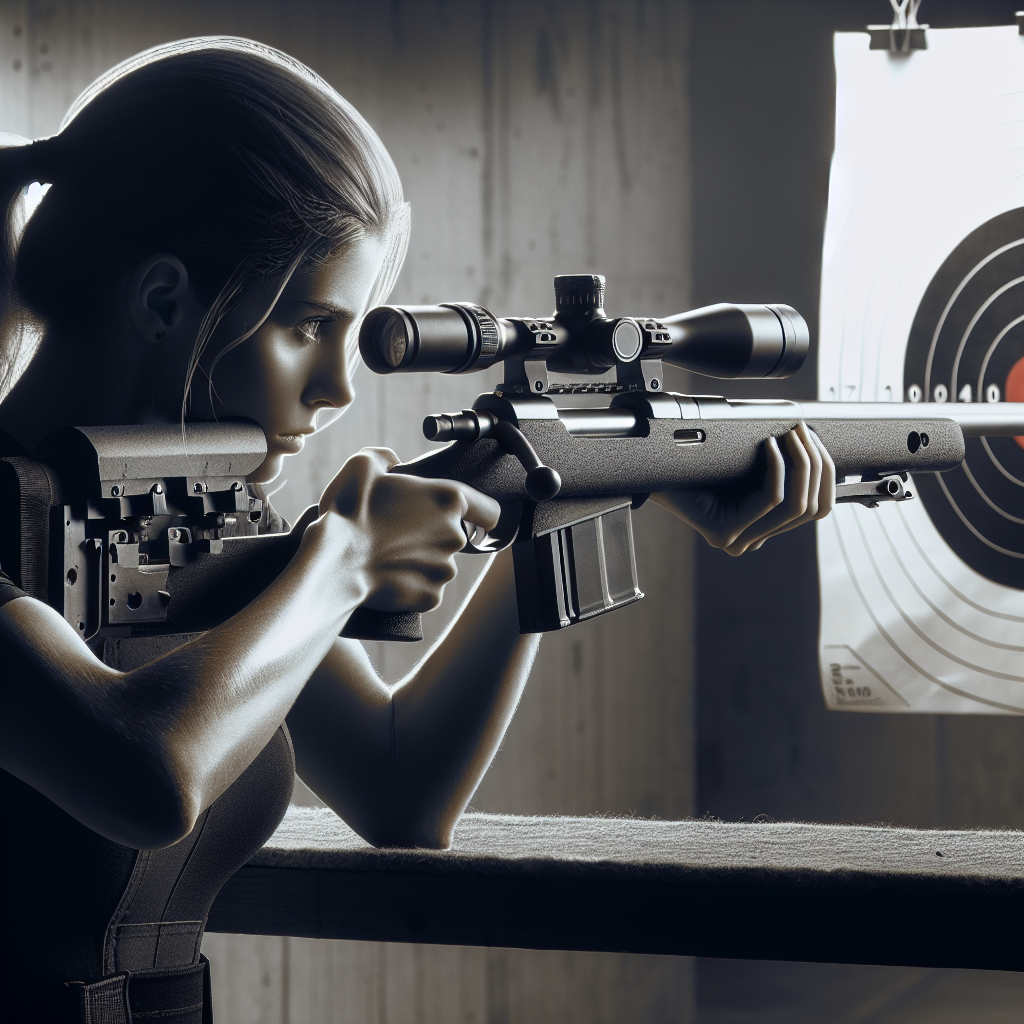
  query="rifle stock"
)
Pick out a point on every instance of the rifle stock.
point(564, 559)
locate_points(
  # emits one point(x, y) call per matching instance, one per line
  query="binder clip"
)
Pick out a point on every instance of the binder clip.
point(904, 34)
point(1020, 22)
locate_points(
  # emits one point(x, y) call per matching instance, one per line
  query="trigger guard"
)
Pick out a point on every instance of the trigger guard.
point(481, 542)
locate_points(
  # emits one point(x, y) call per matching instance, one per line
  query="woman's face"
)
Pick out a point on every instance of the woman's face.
point(294, 365)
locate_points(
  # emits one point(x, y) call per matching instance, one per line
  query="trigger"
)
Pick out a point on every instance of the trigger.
point(478, 540)
point(481, 542)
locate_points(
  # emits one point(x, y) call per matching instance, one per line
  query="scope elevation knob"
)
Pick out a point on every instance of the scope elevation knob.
point(579, 294)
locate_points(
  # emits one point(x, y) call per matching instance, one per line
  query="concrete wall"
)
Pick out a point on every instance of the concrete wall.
point(762, 134)
point(533, 139)
point(762, 101)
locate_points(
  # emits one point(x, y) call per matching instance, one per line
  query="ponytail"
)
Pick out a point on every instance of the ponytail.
point(22, 164)
point(234, 157)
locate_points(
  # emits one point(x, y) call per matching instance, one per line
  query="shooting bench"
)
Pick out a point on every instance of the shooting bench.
point(774, 890)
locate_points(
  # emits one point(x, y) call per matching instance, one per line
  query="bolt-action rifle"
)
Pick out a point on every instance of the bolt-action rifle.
point(139, 539)
point(567, 476)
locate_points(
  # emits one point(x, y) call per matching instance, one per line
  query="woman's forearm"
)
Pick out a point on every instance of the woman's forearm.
point(452, 713)
point(401, 763)
point(138, 755)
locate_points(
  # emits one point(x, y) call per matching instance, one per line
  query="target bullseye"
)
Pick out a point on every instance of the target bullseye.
point(922, 299)
point(967, 344)
point(1014, 389)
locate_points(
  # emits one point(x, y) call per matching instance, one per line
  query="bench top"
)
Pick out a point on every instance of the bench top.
point(771, 890)
point(314, 837)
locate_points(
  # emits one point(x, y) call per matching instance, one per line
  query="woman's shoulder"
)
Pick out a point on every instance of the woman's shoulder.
point(8, 589)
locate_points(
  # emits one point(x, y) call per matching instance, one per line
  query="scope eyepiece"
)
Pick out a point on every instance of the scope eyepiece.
point(453, 338)
point(393, 339)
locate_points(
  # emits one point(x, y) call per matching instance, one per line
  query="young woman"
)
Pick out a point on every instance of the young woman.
point(218, 221)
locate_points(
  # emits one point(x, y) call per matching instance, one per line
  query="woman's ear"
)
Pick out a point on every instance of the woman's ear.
point(161, 300)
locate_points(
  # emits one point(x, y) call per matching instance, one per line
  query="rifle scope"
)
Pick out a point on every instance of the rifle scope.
point(723, 340)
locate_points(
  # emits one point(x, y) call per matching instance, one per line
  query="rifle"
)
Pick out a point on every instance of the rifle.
point(141, 536)
point(568, 476)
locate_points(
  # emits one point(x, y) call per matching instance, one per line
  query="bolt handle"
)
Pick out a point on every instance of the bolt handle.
point(542, 482)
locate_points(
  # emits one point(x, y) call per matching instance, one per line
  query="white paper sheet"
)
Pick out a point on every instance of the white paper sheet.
point(929, 153)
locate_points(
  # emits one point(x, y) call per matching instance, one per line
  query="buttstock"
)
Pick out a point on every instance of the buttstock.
point(371, 624)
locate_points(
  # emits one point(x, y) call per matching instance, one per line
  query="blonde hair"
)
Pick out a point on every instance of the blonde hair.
point(228, 153)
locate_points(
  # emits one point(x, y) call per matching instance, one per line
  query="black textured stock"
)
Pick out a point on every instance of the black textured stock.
point(370, 624)
point(217, 586)
point(732, 451)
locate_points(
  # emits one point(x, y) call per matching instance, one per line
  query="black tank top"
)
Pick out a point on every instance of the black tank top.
point(80, 908)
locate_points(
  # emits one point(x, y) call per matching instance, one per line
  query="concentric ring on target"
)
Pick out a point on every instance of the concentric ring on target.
point(967, 345)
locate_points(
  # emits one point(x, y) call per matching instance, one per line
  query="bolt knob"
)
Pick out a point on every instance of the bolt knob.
point(579, 293)
point(543, 483)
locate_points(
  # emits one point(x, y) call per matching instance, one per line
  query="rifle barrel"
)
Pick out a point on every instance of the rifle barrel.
point(982, 419)
point(975, 419)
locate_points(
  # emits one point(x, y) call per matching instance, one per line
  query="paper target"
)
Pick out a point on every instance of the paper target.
point(967, 345)
point(922, 602)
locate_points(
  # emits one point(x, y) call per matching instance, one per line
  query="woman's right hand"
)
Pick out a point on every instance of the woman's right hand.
point(410, 528)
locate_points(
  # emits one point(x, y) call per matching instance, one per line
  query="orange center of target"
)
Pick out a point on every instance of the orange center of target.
point(1014, 390)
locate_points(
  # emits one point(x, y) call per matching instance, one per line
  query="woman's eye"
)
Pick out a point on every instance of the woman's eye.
point(309, 330)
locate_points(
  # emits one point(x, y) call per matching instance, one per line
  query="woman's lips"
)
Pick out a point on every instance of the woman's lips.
point(291, 443)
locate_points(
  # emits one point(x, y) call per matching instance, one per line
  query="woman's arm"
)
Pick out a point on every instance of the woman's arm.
point(137, 756)
point(400, 763)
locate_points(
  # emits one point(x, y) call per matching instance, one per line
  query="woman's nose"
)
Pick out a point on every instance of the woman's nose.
point(329, 384)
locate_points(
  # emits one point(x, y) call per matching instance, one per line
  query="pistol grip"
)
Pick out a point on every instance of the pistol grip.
point(371, 624)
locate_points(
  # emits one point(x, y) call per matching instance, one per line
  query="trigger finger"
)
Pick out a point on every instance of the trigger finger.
point(481, 509)
point(385, 457)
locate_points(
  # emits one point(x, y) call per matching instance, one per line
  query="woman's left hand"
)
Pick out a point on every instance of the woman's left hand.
point(795, 491)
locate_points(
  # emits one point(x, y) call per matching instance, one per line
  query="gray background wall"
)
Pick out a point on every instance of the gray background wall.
point(681, 149)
